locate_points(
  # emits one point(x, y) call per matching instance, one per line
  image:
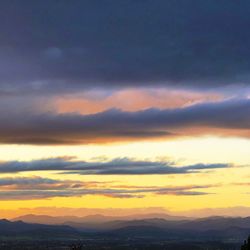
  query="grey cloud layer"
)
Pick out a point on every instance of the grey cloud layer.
point(22, 188)
point(116, 166)
point(63, 46)
point(51, 128)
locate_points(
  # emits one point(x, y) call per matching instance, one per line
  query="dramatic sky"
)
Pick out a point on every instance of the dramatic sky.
point(124, 104)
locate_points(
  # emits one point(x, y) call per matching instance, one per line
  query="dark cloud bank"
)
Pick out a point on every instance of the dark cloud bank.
point(232, 116)
point(63, 46)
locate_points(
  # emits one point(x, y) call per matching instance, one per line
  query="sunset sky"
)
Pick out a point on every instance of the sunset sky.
point(132, 106)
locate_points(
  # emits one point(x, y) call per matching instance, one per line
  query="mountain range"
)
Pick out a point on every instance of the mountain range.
point(28, 230)
point(211, 228)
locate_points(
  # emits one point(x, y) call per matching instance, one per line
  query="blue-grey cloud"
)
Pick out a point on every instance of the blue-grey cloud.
point(120, 166)
point(230, 116)
point(24, 181)
point(41, 183)
point(62, 46)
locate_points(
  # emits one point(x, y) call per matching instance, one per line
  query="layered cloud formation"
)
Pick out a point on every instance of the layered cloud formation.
point(98, 72)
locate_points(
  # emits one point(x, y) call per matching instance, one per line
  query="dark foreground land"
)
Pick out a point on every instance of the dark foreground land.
point(217, 233)
point(116, 244)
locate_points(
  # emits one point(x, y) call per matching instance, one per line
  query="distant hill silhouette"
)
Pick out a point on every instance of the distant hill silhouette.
point(19, 228)
point(211, 228)
point(96, 218)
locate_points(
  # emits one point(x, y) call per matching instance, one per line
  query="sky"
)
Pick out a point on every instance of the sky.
point(120, 107)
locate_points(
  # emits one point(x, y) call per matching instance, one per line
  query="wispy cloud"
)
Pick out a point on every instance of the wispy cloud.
point(119, 166)
point(40, 183)
point(28, 188)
